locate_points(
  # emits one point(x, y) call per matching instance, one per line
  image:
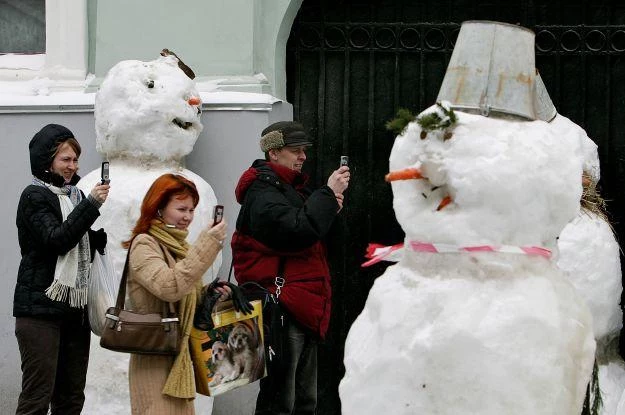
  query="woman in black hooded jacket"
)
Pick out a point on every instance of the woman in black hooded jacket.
point(53, 224)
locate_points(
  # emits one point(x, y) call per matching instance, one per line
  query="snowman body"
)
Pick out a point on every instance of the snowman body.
point(129, 183)
point(590, 259)
point(147, 117)
point(476, 318)
point(589, 256)
point(145, 126)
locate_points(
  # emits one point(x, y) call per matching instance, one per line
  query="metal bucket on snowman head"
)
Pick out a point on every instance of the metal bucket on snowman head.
point(492, 71)
point(545, 110)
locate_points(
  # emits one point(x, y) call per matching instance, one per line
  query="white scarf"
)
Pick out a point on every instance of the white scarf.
point(72, 269)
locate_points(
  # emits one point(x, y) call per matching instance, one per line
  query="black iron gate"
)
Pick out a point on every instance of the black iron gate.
point(351, 64)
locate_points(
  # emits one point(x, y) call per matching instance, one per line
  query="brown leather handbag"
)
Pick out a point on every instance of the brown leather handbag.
point(131, 332)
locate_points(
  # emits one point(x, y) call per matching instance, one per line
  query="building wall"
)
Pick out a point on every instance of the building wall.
point(212, 37)
point(225, 148)
point(241, 43)
point(232, 40)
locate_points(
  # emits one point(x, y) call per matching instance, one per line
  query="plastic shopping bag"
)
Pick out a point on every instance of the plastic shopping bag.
point(230, 355)
point(102, 291)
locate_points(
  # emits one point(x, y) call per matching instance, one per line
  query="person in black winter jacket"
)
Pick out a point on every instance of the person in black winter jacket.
point(57, 246)
point(280, 232)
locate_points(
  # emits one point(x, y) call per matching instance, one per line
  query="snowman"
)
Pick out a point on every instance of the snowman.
point(476, 318)
point(589, 256)
point(147, 119)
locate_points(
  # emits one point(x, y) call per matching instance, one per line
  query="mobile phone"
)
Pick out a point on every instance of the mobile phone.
point(218, 214)
point(104, 173)
point(344, 161)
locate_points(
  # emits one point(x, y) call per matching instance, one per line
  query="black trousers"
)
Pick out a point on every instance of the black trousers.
point(294, 391)
point(55, 354)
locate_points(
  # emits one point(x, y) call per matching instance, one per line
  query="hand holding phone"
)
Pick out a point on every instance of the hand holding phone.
point(218, 214)
point(104, 173)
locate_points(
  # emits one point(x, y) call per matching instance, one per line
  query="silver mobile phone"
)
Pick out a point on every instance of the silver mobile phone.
point(104, 173)
point(218, 214)
point(344, 161)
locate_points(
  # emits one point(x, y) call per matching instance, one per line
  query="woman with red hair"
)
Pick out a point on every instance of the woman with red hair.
point(165, 268)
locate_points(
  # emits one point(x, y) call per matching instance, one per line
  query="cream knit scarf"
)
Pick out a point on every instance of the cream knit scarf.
point(71, 273)
point(181, 380)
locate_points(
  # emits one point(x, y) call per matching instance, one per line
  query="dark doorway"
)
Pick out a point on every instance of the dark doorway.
point(352, 64)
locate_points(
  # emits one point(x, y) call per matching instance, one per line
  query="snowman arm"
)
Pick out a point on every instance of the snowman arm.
point(283, 226)
point(149, 268)
point(41, 216)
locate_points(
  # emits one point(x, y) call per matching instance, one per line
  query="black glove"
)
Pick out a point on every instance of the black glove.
point(97, 240)
point(239, 300)
point(203, 319)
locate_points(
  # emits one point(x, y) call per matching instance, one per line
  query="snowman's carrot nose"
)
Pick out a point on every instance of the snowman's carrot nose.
point(446, 200)
point(405, 174)
point(194, 101)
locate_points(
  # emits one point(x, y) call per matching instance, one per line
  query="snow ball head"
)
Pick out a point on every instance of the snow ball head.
point(142, 110)
point(486, 181)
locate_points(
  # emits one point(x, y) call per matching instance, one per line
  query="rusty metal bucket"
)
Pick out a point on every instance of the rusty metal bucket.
point(492, 71)
point(545, 110)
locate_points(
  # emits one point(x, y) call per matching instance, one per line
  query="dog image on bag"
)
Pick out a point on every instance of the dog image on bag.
point(225, 370)
point(231, 354)
point(243, 344)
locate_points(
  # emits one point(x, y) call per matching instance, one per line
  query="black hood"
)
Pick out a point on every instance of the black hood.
point(42, 148)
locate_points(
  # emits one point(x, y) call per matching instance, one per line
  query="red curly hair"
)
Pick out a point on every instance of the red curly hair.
point(163, 189)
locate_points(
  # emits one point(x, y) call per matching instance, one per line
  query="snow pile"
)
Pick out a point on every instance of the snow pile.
point(589, 255)
point(612, 381)
point(484, 333)
point(590, 259)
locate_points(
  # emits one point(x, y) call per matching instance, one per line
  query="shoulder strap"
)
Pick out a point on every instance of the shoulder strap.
point(280, 272)
point(121, 293)
point(280, 279)
point(230, 272)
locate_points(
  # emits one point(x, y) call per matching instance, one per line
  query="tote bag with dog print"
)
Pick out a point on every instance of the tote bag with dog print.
point(230, 355)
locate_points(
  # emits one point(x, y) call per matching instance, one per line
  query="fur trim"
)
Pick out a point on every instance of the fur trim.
point(271, 140)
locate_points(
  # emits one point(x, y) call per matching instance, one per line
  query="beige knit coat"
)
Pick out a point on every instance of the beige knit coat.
point(155, 277)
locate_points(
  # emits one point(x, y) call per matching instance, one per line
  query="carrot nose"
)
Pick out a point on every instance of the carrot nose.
point(446, 200)
point(405, 174)
point(194, 101)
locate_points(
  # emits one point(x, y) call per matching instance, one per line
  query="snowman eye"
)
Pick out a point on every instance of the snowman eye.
point(150, 84)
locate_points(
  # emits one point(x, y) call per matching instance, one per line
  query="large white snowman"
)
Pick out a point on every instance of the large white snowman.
point(590, 258)
point(147, 117)
point(476, 318)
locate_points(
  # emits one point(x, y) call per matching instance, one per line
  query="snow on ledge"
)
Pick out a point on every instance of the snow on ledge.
point(27, 85)
point(31, 62)
point(36, 96)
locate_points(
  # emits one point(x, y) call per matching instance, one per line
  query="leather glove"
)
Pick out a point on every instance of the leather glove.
point(239, 300)
point(97, 241)
point(203, 319)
